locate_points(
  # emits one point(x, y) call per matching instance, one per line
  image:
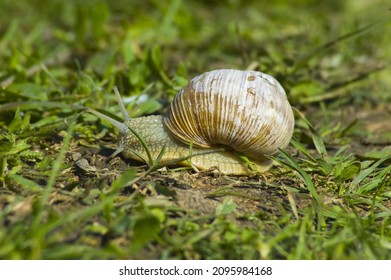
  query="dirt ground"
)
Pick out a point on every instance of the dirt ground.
point(204, 191)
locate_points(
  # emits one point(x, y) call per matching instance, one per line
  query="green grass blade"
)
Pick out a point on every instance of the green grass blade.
point(316, 138)
point(364, 174)
point(304, 176)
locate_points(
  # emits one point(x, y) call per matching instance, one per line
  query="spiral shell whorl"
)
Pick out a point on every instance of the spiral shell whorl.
point(245, 110)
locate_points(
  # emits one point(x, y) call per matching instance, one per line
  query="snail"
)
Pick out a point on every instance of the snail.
point(214, 120)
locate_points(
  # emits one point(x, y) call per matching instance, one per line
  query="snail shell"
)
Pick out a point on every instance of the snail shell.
point(245, 110)
point(222, 115)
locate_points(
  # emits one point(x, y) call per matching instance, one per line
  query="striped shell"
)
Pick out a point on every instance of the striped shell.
point(247, 111)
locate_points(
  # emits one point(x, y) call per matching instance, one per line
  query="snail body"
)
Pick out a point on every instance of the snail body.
point(221, 115)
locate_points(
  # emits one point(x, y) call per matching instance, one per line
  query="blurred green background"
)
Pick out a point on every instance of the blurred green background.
point(184, 38)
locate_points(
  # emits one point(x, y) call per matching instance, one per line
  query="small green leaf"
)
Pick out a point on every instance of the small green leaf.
point(155, 59)
point(145, 229)
point(14, 148)
point(127, 48)
point(26, 183)
point(145, 108)
point(124, 179)
point(227, 207)
point(365, 173)
point(20, 122)
point(350, 171)
point(30, 91)
point(307, 89)
point(376, 154)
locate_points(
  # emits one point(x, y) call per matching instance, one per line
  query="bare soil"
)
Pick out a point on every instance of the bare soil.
point(267, 195)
